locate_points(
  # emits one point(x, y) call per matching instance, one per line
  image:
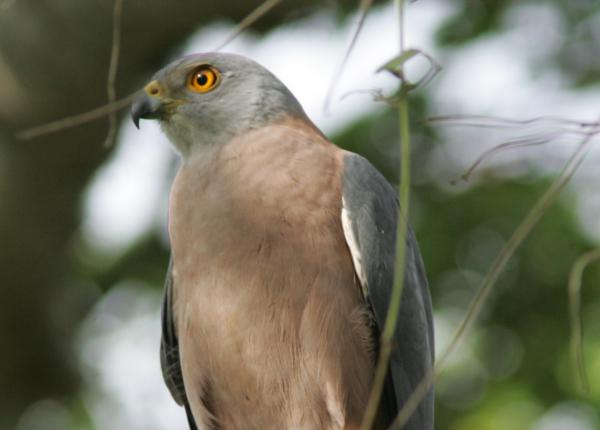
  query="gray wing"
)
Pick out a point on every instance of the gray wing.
point(169, 351)
point(369, 216)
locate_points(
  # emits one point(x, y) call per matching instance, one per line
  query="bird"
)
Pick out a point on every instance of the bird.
point(282, 260)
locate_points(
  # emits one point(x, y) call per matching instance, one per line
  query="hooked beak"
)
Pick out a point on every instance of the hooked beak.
point(147, 105)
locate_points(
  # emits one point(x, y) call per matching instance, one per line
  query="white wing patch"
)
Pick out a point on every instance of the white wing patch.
point(354, 248)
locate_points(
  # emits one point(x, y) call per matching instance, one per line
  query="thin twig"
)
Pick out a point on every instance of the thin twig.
point(393, 311)
point(250, 19)
point(576, 344)
point(112, 71)
point(110, 109)
point(494, 121)
point(511, 144)
point(564, 127)
point(113, 107)
point(519, 235)
point(75, 120)
point(365, 6)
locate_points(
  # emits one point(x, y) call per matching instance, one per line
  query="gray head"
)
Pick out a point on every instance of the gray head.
point(206, 99)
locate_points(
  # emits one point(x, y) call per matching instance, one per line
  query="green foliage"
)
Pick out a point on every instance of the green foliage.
point(575, 25)
point(473, 19)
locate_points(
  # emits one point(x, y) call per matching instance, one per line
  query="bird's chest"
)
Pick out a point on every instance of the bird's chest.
point(261, 275)
point(257, 207)
point(252, 232)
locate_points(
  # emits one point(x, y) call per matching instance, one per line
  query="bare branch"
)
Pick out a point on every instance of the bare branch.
point(252, 17)
point(75, 120)
point(486, 121)
point(115, 105)
point(389, 327)
point(112, 71)
point(364, 7)
point(562, 127)
point(521, 142)
point(517, 238)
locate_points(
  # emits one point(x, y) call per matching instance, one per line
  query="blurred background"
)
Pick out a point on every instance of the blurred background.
point(83, 244)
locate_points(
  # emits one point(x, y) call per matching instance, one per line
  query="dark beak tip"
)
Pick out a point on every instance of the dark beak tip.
point(138, 108)
point(145, 107)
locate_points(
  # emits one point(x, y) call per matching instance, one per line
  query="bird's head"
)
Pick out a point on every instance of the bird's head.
point(206, 99)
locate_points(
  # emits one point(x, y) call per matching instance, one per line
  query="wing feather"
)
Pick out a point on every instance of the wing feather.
point(369, 217)
point(169, 351)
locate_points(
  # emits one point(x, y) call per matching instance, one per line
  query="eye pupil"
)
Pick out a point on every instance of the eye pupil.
point(202, 79)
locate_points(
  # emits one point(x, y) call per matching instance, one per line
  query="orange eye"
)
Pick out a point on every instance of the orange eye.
point(203, 79)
